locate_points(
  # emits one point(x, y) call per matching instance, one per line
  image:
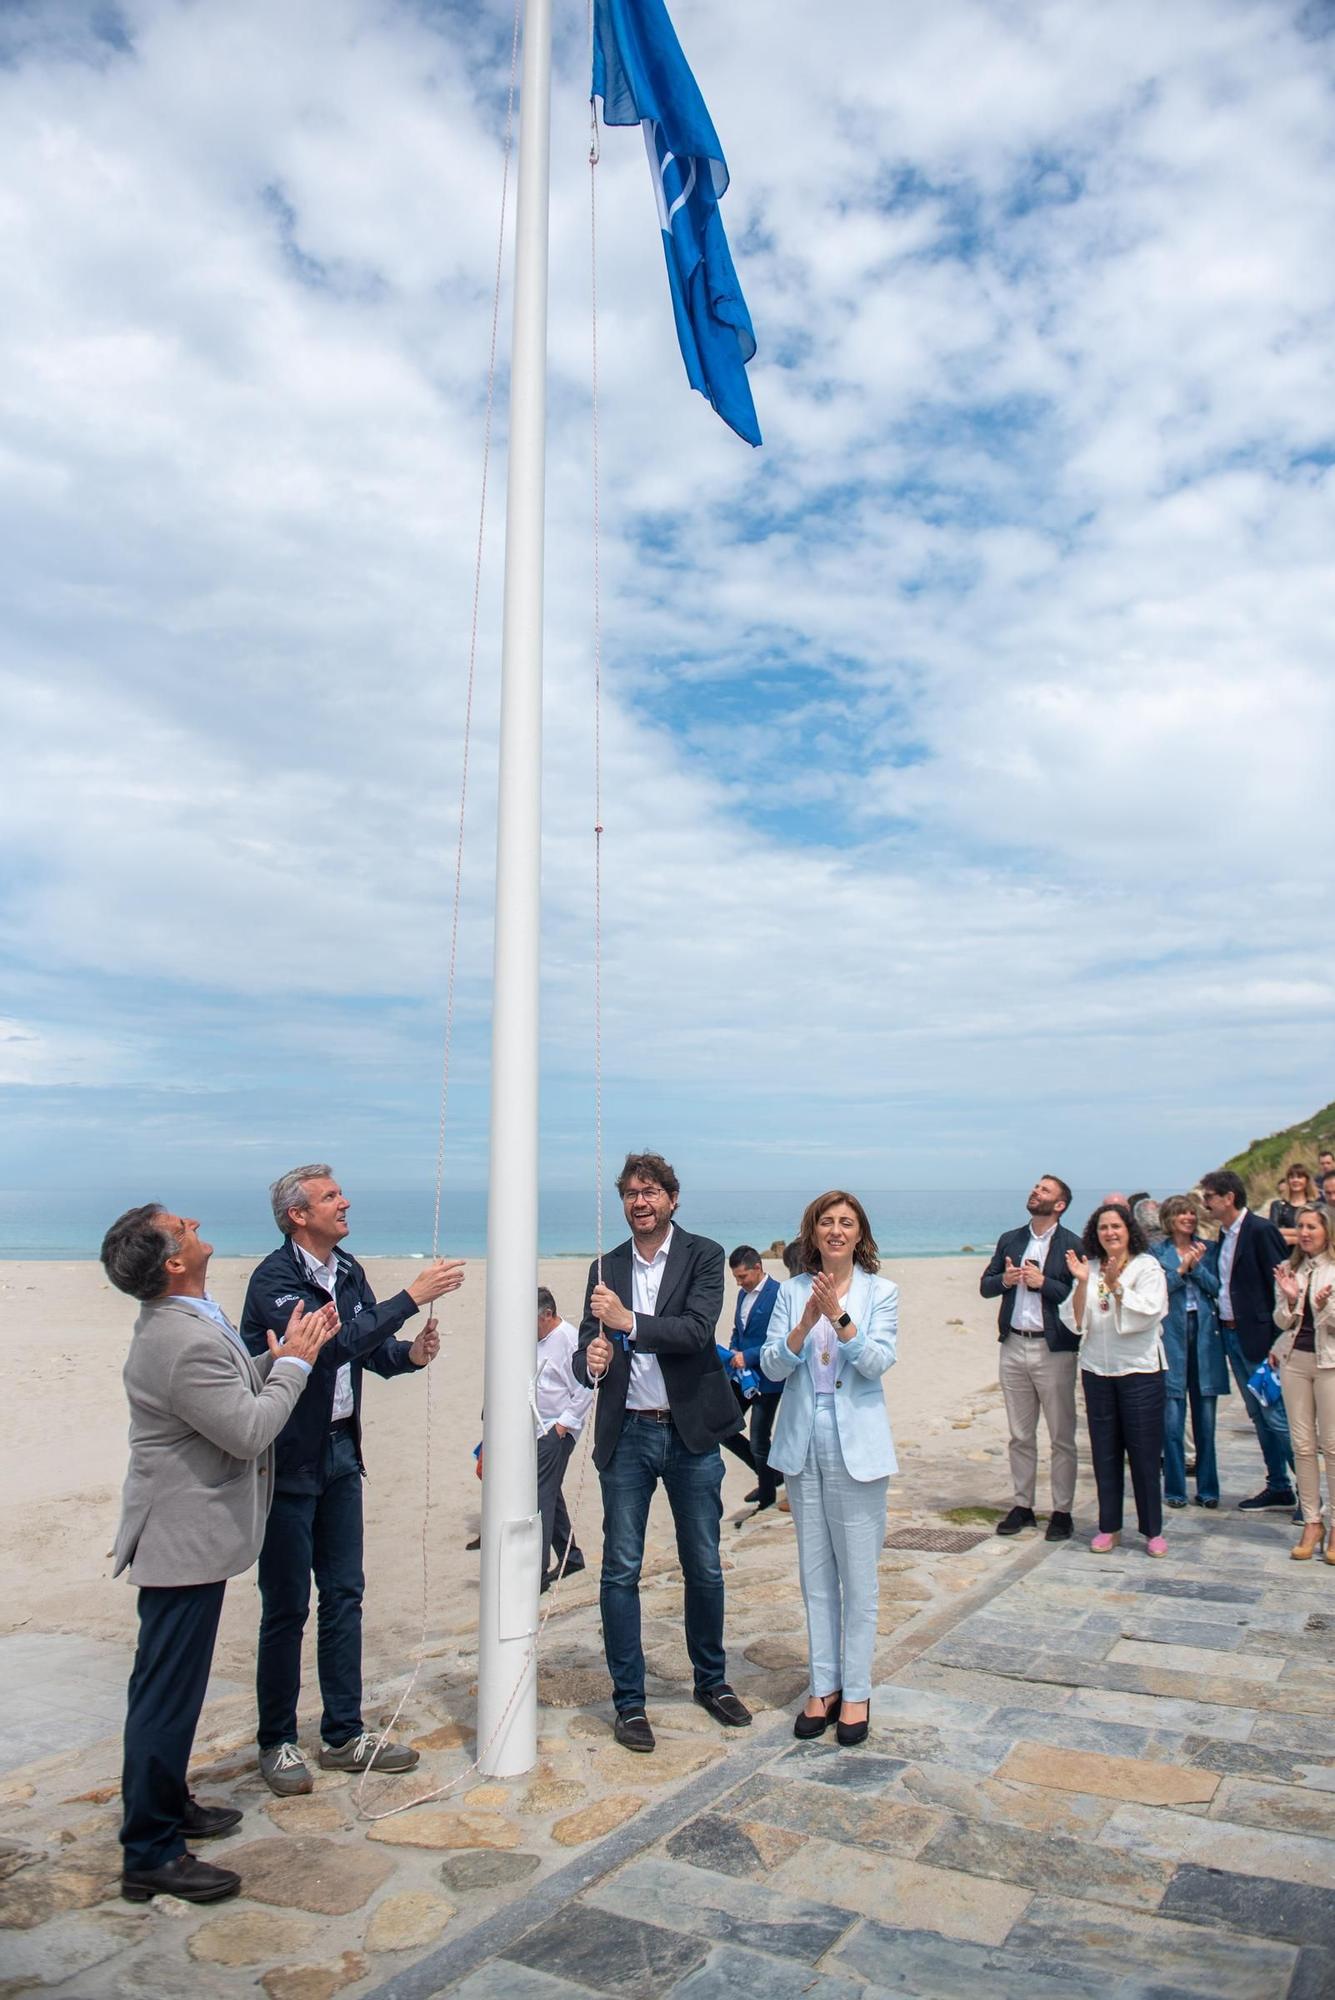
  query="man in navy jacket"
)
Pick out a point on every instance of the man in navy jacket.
point(1038, 1354)
point(1243, 1258)
point(750, 1322)
point(316, 1518)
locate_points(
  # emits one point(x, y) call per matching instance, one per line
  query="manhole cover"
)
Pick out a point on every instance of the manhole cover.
point(947, 1541)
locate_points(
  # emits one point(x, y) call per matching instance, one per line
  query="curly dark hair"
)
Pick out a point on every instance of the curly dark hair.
point(649, 1167)
point(866, 1256)
point(1136, 1242)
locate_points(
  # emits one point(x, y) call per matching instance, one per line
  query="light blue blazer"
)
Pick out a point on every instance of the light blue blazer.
point(859, 1401)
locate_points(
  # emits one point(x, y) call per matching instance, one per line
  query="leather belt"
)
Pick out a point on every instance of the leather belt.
point(652, 1416)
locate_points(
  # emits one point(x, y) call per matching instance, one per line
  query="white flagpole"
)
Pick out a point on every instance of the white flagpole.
point(507, 1720)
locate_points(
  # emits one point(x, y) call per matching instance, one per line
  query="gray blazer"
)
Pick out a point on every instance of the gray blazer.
point(203, 1418)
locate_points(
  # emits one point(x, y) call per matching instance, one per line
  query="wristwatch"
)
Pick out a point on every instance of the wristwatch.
point(844, 1319)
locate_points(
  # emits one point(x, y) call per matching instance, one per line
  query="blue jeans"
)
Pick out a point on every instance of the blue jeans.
point(1202, 1429)
point(1269, 1420)
point(321, 1532)
point(647, 1452)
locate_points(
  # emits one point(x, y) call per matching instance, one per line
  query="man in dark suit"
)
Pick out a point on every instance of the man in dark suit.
point(1038, 1354)
point(750, 1322)
point(203, 1418)
point(1243, 1258)
point(664, 1405)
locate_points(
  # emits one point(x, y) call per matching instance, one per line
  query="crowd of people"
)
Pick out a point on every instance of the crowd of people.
point(245, 1443)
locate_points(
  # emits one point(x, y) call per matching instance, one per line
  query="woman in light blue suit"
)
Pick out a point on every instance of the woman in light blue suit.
point(830, 1340)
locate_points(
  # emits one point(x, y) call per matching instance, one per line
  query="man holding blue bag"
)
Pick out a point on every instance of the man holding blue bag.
point(1243, 1258)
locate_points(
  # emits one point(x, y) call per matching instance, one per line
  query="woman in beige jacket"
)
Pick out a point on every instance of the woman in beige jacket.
point(1305, 1311)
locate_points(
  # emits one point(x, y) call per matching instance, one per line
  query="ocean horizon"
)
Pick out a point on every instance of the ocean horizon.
point(65, 1224)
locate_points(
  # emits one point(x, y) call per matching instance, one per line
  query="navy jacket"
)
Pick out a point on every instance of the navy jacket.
point(1251, 1284)
point(680, 1334)
point(1211, 1361)
point(365, 1338)
point(1057, 1282)
point(749, 1339)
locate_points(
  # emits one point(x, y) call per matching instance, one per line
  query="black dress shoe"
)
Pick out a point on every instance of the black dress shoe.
point(1019, 1517)
point(848, 1734)
point(749, 1498)
point(194, 1881)
point(1060, 1528)
point(1211, 1504)
point(724, 1706)
point(806, 1726)
point(632, 1730)
point(208, 1822)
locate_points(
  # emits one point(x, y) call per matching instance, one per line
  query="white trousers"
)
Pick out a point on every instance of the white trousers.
point(840, 1525)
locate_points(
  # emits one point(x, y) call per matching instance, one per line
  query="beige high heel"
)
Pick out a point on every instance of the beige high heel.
point(1309, 1545)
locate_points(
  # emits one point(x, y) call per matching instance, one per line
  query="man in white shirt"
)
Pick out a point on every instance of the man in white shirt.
point(561, 1404)
point(664, 1405)
point(1038, 1355)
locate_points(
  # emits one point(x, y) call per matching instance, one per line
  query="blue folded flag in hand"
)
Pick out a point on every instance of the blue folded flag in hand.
point(643, 79)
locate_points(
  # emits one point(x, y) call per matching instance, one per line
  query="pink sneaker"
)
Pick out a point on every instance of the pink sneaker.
point(1102, 1543)
point(1156, 1546)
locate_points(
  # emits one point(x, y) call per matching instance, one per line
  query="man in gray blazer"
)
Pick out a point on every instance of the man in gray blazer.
point(203, 1418)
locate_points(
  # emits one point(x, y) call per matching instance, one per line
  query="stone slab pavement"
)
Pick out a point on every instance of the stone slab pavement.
point(1085, 1776)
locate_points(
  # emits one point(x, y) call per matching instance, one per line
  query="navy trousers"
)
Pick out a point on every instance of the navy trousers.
point(320, 1532)
point(1126, 1417)
point(177, 1628)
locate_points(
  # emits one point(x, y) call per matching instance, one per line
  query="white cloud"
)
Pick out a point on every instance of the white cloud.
point(1037, 555)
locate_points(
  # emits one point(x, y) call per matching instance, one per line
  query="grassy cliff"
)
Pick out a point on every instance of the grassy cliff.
point(1265, 1159)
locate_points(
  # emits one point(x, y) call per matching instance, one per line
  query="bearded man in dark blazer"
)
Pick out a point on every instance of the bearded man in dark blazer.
point(664, 1404)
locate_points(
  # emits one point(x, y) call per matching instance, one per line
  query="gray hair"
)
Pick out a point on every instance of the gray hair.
point(546, 1303)
point(289, 1191)
point(1146, 1213)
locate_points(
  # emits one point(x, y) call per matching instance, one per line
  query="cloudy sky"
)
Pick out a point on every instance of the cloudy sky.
point(968, 749)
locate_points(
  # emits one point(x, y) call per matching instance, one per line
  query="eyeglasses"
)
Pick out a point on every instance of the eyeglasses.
point(651, 1193)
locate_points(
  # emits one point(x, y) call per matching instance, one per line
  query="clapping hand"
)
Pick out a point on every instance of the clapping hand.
point(305, 1333)
point(1010, 1277)
point(1078, 1267)
point(1322, 1298)
point(1287, 1281)
point(1032, 1274)
point(825, 1296)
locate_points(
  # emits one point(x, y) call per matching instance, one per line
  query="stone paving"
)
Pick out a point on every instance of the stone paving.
point(1085, 1776)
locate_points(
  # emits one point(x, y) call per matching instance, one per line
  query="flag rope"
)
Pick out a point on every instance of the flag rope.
point(361, 1809)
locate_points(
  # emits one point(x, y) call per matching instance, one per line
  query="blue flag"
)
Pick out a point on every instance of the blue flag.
point(643, 79)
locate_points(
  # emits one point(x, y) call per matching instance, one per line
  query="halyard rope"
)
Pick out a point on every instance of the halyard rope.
point(530, 1661)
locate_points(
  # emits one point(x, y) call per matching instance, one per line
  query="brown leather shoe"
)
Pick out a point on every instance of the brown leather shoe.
point(724, 1706)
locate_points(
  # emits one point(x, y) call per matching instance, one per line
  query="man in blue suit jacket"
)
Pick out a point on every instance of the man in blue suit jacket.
point(750, 1322)
point(1243, 1257)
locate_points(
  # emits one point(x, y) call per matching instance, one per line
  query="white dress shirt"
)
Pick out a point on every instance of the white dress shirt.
point(748, 1299)
point(1228, 1250)
point(557, 1397)
point(326, 1275)
point(647, 1389)
point(1027, 1311)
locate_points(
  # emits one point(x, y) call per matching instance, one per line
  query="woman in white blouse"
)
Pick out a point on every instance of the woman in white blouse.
point(831, 1338)
point(1117, 1306)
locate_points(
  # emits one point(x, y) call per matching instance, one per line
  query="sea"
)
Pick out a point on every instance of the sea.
point(397, 1222)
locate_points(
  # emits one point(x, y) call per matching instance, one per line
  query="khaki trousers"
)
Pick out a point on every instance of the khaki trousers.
point(1309, 1398)
point(1033, 1378)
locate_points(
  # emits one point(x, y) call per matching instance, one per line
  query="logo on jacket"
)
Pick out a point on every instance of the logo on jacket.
point(287, 1299)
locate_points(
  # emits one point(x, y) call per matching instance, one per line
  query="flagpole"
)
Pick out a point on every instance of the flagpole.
point(507, 1709)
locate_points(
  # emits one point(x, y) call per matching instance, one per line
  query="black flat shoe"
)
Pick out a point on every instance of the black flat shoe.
point(632, 1731)
point(807, 1726)
point(194, 1881)
point(724, 1706)
point(208, 1822)
point(848, 1734)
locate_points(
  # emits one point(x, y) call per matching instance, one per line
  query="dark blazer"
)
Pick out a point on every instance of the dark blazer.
point(1057, 1282)
point(1251, 1283)
point(749, 1339)
point(365, 1338)
point(681, 1336)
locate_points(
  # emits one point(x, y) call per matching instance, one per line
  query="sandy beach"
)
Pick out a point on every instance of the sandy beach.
point(65, 1334)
